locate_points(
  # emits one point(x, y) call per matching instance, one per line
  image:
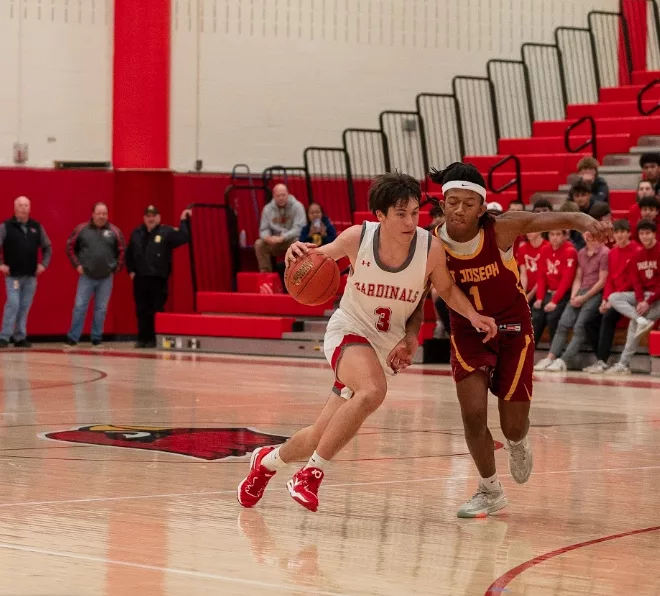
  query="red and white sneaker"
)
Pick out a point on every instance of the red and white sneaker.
point(252, 488)
point(304, 487)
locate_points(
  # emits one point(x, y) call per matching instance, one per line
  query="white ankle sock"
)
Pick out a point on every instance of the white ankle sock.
point(273, 461)
point(491, 484)
point(316, 461)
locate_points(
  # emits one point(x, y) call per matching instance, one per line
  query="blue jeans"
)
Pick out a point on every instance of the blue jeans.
point(20, 292)
point(87, 287)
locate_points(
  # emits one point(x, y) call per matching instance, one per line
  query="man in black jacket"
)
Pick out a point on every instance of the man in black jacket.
point(21, 238)
point(149, 262)
point(96, 251)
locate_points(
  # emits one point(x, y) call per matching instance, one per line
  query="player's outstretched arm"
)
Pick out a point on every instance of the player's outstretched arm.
point(512, 224)
point(452, 294)
point(345, 245)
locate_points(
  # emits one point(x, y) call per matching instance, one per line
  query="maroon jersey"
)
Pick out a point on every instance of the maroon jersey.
point(490, 281)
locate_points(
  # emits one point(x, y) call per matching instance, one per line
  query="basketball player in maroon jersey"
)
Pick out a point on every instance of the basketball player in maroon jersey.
point(480, 258)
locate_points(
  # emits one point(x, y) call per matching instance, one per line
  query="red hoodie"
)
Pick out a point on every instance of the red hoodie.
point(618, 278)
point(556, 271)
point(530, 258)
point(646, 273)
point(634, 215)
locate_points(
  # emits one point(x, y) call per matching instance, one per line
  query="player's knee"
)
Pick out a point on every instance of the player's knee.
point(514, 430)
point(370, 398)
point(475, 423)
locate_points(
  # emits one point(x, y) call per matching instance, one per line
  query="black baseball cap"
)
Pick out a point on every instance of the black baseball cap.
point(151, 210)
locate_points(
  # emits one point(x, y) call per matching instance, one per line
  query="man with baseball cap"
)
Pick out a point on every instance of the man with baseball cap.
point(149, 263)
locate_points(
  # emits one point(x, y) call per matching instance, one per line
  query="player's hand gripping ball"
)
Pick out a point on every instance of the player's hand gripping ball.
point(312, 278)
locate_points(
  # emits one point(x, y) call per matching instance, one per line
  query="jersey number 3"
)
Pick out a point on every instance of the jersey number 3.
point(384, 316)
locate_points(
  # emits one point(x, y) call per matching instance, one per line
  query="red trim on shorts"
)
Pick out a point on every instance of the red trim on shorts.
point(345, 342)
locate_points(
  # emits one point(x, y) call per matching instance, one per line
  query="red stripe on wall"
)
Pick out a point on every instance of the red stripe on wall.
point(141, 84)
point(635, 13)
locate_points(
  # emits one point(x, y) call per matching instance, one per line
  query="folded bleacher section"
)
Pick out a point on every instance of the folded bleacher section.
point(525, 126)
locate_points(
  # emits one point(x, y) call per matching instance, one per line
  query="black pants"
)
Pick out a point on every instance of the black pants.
point(443, 311)
point(150, 295)
point(601, 330)
point(541, 319)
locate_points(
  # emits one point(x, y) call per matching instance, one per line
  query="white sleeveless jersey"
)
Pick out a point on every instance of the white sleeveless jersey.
point(379, 300)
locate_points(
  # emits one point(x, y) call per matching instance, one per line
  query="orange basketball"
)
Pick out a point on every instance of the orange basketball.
point(313, 279)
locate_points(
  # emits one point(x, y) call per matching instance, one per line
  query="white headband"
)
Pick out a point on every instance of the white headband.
point(463, 184)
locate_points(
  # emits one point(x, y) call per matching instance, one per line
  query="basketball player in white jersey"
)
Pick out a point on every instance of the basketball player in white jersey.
point(372, 334)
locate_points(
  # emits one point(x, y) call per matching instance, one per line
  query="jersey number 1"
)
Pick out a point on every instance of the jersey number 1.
point(474, 292)
point(384, 316)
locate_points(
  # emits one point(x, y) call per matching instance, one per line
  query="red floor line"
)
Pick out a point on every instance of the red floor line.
point(503, 581)
point(603, 382)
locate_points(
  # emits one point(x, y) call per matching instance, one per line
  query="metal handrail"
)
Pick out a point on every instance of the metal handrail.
point(640, 99)
point(514, 181)
point(591, 141)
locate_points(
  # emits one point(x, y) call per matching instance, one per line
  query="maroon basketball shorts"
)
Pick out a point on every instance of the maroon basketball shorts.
point(507, 359)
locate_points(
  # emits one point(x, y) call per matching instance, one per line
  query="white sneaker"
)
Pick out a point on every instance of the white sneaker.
point(596, 369)
point(521, 460)
point(483, 503)
point(643, 327)
point(557, 366)
point(618, 369)
point(543, 364)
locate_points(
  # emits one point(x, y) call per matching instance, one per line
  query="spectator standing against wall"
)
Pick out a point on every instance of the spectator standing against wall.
point(282, 221)
point(149, 264)
point(642, 306)
point(21, 238)
point(96, 250)
point(601, 328)
point(586, 297)
point(557, 266)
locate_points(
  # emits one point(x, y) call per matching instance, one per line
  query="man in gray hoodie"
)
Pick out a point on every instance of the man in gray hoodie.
point(281, 223)
point(96, 250)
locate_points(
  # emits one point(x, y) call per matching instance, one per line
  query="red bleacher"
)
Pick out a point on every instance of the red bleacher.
point(223, 325)
point(265, 304)
point(545, 165)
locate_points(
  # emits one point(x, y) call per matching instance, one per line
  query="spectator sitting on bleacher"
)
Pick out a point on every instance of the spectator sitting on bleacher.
point(557, 265)
point(644, 189)
point(581, 196)
point(588, 172)
point(528, 259)
point(586, 296)
point(282, 220)
point(601, 328)
point(542, 206)
point(437, 218)
point(601, 211)
point(649, 209)
point(516, 205)
point(650, 164)
point(642, 306)
point(319, 229)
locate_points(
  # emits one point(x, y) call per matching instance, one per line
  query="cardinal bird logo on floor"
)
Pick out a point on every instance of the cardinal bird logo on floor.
point(201, 443)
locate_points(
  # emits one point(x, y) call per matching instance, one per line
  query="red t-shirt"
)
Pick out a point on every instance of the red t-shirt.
point(618, 278)
point(556, 271)
point(529, 257)
point(646, 273)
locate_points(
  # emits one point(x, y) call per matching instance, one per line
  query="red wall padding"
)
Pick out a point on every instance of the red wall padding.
point(62, 199)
